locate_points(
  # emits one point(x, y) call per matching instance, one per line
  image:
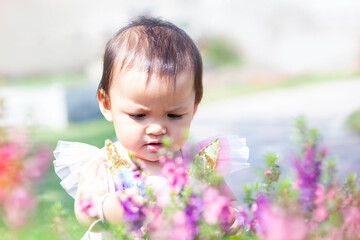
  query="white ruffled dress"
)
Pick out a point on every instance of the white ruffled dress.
point(75, 162)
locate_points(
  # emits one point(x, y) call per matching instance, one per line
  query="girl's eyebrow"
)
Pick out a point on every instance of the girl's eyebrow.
point(139, 107)
point(177, 108)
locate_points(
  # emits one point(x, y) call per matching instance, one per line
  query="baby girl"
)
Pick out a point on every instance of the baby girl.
point(151, 87)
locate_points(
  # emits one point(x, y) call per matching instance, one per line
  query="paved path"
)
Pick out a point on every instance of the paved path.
point(266, 120)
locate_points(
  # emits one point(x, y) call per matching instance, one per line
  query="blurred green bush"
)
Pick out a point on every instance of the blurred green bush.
point(354, 121)
point(219, 52)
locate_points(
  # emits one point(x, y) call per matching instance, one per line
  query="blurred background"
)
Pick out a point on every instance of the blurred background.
point(265, 63)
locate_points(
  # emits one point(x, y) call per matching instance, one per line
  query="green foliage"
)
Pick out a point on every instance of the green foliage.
point(303, 135)
point(249, 190)
point(350, 183)
point(354, 121)
point(118, 231)
point(93, 132)
point(65, 79)
point(272, 173)
point(218, 52)
point(328, 171)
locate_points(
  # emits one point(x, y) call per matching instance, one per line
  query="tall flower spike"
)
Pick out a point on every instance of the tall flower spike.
point(116, 161)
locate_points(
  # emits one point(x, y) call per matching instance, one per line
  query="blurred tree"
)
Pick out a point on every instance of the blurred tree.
point(219, 52)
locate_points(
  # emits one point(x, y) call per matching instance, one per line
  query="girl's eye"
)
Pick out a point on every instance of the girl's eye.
point(137, 116)
point(175, 116)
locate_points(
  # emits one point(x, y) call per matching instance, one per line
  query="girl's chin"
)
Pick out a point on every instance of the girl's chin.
point(153, 158)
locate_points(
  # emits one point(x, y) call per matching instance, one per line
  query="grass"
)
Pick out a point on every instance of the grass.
point(49, 192)
point(93, 132)
point(65, 79)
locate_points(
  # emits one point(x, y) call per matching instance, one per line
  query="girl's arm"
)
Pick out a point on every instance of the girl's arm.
point(93, 186)
point(112, 210)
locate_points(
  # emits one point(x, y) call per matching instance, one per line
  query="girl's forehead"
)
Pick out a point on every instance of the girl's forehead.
point(135, 86)
point(141, 81)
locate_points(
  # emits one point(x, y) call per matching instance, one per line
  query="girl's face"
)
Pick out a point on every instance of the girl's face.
point(144, 113)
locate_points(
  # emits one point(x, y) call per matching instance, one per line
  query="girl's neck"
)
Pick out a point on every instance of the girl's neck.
point(153, 168)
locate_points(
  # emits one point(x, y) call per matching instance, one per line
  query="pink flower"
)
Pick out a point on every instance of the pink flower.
point(352, 223)
point(319, 194)
point(182, 229)
point(163, 196)
point(18, 206)
point(174, 226)
point(216, 208)
point(268, 171)
point(175, 173)
point(88, 207)
point(275, 224)
point(323, 151)
point(254, 207)
point(36, 165)
point(320, 213)
point(347, 201)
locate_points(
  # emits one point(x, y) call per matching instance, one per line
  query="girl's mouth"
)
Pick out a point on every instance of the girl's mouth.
point(153, 147)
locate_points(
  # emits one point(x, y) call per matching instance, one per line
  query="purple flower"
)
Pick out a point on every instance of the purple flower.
point(308, 173)
point(128, 178)
point(261, 202)
point(193, 212)
point(134, 209)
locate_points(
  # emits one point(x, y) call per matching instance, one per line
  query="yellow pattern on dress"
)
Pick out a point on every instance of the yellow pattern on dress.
point(205, 160)
point(115, 160)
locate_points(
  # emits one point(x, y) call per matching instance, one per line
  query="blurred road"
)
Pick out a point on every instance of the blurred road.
point(267, 119)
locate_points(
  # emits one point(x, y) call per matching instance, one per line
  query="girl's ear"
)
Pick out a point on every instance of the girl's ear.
point(195, 108)
point(104, 104)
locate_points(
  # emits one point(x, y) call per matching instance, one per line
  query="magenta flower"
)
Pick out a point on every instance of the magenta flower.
point(18, 205)
point(37, 164)
point(216, 208)
point(320, 212)
point(20, 165)
point(138, 169)
point(87, 206)
point(267, 172)
point(182, 230)
point(308, 173)
point(175, 173)
point(243, 218)
point(193, 212)
point(276, 224)
point(134, 209)
point(352, 223)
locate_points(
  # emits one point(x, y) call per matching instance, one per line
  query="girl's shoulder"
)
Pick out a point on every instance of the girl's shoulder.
point(76, 162)
point(226, 153)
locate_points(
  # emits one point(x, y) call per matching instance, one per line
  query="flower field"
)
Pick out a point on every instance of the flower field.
point(313, 205)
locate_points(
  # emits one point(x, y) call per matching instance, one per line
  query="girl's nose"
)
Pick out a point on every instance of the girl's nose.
point(155, 129)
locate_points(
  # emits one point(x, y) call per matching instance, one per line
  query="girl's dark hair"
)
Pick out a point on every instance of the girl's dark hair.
point(155, 47)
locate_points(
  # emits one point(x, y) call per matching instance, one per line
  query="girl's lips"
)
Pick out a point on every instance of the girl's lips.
point(153, 147)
